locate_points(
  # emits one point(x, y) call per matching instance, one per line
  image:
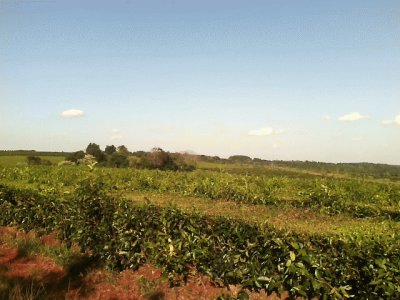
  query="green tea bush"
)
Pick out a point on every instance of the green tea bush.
point(331, 196)
point(124, 235)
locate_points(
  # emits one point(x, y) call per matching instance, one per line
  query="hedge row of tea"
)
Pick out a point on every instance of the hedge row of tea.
point(124, 235)
point(331, 196)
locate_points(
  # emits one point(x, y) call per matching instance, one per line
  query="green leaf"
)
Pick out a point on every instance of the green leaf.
point(292, 256)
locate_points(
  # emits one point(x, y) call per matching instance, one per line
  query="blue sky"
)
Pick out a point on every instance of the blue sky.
point(292, 80)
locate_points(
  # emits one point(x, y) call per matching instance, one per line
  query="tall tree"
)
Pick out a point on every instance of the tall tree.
point(159, 159)
point(110, 149)
point(123, 150)
point(94, 149)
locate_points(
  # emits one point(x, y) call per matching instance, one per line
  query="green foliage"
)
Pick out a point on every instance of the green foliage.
point(159, 159)
point(90, 225)
point(240, 159)
point(36, 160)
point(74, 157)
point(110, 149)
point(124, 235)
point(89, 161)
point(357, 200)
point(121, 157)
point(123, 150)
point(32, 153)
point(355, 169)
point(331, 196)
point(94, 149)
point(118, 160)
point(81, 205)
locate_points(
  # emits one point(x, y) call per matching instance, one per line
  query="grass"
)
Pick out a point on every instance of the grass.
point(150, 288)
point(299, 220)
point(13, 289)
point(20, 160)
point(29, 244)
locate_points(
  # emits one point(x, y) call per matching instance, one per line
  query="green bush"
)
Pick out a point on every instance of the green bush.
point(124, 235)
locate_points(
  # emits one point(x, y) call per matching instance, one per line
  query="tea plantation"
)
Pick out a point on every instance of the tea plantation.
point(330, 236)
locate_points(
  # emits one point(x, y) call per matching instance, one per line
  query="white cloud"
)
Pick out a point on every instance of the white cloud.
point(116, 137)
point(326, 118)
point(116, 134)
point(390, 122)
point(72, 113)
point(354, 116)
point(264, 131)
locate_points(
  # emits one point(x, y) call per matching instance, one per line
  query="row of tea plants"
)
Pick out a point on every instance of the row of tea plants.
point(125, 235)
point(327, 195)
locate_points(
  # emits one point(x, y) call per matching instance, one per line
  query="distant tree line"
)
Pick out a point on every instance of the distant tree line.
point(363, 168)
point(357, 169)
point(121, 157)
point(157, 158)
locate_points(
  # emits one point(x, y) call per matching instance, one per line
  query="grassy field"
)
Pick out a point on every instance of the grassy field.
point(20, 160)
point(299, 220)
point(317, 219)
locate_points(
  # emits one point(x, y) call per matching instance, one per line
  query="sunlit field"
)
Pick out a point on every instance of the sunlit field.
point(265, 227)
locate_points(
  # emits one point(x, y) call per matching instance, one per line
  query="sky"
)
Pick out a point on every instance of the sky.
point(272, 79)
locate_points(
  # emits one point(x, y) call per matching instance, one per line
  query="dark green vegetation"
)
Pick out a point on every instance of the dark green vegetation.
point(264, 227)
point(36, 160)
point(120, 157)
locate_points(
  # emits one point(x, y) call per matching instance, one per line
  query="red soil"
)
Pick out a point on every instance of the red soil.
point(145, 283)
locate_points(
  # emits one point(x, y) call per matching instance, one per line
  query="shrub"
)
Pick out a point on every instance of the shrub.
point(36, 160)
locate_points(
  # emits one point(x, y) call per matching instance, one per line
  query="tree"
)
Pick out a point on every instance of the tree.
point(135, 161)
point(123, 150)
point(118, 160)
point(140, 154)
point(94, 149)
point(110, 149)
point(240, 158)
point(75, 156)
point(159, 159)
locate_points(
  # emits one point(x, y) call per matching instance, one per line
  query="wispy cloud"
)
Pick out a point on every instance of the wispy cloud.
point(326, 118)
point(116, 137)
point(264, 131)
point(116, 134)
point(396, 120)
point(354, 116)
point(72, 113)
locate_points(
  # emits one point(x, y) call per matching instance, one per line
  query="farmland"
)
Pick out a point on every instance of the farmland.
point(309, 231)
